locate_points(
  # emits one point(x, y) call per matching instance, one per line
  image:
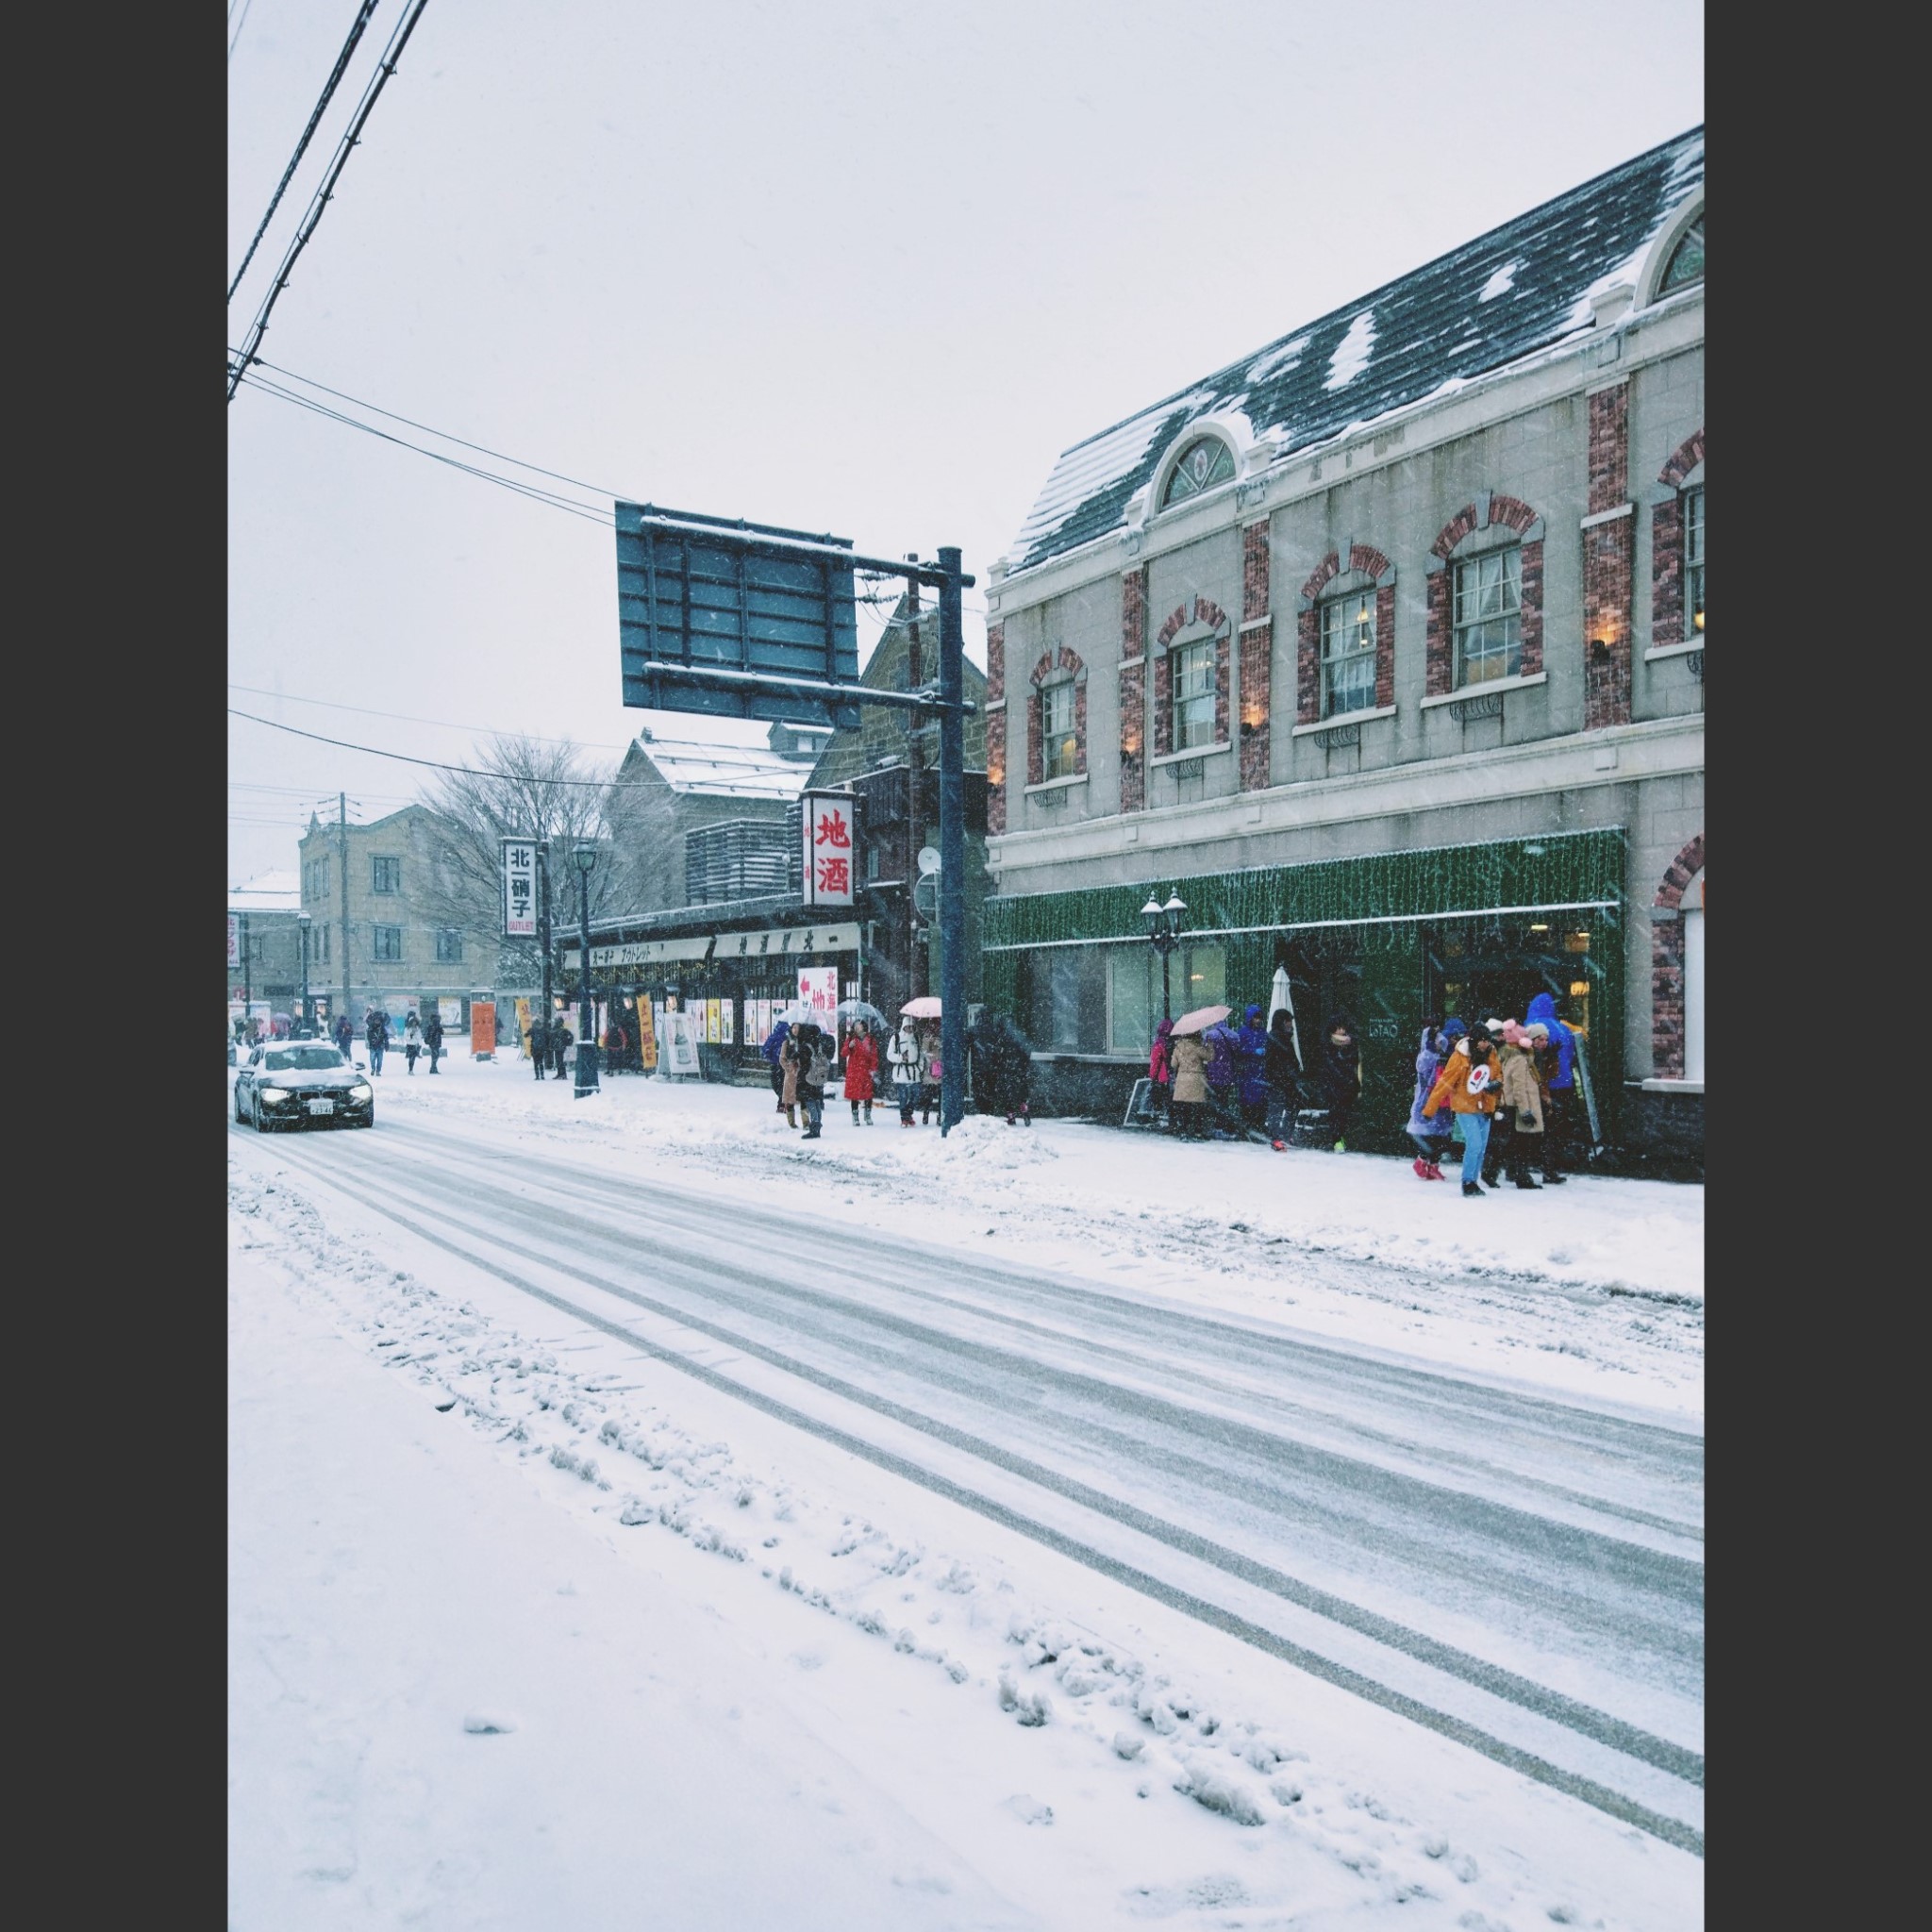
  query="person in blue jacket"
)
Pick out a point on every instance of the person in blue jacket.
point(1251, 1051)
point(774, 1043)
point(1561, 1126)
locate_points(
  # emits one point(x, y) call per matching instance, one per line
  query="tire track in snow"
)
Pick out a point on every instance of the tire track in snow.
point(386, 1200)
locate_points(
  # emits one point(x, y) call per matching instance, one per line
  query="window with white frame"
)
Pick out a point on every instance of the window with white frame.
point(1060, 751)
point(1194, 694)
point(1692, 915)
point(1687, 260)
point(1206, 463)
point(1348, 653)
point(1489, 616)
point(387, 944)
point(1693, 562)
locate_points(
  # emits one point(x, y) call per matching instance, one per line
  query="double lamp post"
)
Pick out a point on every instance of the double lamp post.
point(1164, 935)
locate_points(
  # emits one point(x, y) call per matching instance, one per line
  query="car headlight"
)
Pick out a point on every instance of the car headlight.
point(361, 1090)
point(273, 1094)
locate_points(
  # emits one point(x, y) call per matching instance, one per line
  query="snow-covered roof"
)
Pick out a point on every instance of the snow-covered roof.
point(732, 758)
point(1510, 294)
point(267, 892)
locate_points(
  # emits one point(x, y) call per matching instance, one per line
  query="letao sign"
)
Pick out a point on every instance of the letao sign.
point(831, 848)
point(520, 888)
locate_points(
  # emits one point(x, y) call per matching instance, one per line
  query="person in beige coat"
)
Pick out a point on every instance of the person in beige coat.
point(1189, 1056)
point(1521, 1104)
point(789, 1062)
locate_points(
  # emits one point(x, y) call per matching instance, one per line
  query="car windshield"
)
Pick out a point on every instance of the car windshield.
point(303, 1059)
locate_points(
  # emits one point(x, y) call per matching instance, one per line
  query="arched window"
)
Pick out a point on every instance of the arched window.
point(1206, 462)
point(1686, 264)
point(1348, 653)
point(1060, 745)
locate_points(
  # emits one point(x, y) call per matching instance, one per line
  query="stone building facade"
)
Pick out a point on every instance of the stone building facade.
point(1385, 647)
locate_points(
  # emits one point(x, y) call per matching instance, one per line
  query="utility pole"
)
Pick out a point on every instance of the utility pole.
point(916, 977)
point(952, 846)
point(247, 978)
point(544, 929)
point(342, 853)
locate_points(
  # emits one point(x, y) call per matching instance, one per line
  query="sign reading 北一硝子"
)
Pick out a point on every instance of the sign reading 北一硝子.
point(777, 943)
point(519, 889)
point(753, 600)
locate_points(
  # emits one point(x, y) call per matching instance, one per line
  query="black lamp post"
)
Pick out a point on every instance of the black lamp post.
point(1164, 935)
point(586, 857)
point(307, 1020)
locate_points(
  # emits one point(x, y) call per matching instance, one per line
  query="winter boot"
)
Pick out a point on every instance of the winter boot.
point(1342, 1146)
point(1420, 1166)
point(1435, 1172)
point(792, 1116)
point(868, 1113)
point(1280, 1146)
point(1522, 1180)
point(1471, 1191)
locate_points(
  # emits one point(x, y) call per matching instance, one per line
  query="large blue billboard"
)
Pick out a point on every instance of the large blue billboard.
point(706, 593)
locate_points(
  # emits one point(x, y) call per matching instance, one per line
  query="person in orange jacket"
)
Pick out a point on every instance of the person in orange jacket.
point(1467, 1085)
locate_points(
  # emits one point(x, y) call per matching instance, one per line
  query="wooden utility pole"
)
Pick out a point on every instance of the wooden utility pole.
point(343, 852)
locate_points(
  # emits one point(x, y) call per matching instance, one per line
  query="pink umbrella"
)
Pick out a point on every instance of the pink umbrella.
point(927, 1008)
point(1200, 1020)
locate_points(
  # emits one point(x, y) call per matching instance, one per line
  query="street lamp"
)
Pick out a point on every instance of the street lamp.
point(302, 925)
point(1164, 935)
point(586, 857)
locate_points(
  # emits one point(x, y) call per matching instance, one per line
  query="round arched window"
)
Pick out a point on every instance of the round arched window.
point(1204, 463)
point(1686, 264)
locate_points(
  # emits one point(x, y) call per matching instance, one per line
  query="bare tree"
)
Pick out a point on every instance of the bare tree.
point(518, 787)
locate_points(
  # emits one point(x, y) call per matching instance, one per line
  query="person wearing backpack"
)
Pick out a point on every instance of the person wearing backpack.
point(814, 1070)
point(432, 1036)
point(1466, 1087)
point(375, 1031)
point(906, 1057)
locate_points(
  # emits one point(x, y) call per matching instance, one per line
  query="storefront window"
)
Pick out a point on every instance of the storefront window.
point(1694, 979)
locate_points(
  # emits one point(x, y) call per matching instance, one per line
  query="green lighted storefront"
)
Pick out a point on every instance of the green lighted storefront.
point(1393, 940)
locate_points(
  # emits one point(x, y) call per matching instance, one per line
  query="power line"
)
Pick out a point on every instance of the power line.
point(429, 429)
point(612, 784)
point(385, 67)
point(240, 25)
point(362, 13)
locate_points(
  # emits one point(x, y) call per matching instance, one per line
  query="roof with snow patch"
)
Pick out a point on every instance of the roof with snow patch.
point(1510, 294)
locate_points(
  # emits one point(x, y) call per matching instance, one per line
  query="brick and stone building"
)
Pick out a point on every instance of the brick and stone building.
point(1385, 647)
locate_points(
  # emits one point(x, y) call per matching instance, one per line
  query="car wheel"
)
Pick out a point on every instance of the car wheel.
point(261, 1125)
point(240, 1117)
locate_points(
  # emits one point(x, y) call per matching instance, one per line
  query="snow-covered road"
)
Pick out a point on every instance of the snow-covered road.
point(1518, 1573)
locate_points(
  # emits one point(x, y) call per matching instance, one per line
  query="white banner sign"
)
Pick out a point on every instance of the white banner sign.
point(679, 1047)
point(818, 988)
point(780, 944)
point(234, 938)
point(520, 888)
point(831, 848)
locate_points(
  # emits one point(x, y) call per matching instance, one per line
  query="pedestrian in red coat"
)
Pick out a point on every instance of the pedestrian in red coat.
point(861, 1065)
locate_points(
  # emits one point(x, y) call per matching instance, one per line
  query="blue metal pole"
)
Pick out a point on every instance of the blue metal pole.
point(952, 848)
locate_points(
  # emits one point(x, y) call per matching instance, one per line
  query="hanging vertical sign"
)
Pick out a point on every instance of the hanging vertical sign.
point(234, 938)
point(519, 889)
point(831, 848)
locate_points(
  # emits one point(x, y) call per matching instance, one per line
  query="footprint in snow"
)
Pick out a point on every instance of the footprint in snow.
point(1028, 1809)
point(489, 1723)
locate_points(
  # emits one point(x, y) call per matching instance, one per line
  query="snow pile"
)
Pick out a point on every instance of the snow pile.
point(1352, 352)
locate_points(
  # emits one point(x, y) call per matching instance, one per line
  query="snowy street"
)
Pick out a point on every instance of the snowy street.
point(1357, 1554)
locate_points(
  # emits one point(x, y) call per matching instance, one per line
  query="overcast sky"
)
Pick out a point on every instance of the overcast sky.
point(859, 268)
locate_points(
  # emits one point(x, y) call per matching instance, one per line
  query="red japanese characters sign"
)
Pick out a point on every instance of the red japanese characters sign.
point(831, 848)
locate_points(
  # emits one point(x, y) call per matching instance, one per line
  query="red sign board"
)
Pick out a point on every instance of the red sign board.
point(829, 825)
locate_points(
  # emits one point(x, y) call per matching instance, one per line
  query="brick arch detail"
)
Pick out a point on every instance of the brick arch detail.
point(995, 728)
point(1666, 544)
point(1200, 610)
point(1366, 560)
point(1440, 649)
point(1684, 459)
point(1667, 964)
point(1058, 662)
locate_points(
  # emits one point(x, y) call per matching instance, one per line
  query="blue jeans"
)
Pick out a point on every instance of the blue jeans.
point(376, 1053)
point(814, 1108)
point(1475, 1142)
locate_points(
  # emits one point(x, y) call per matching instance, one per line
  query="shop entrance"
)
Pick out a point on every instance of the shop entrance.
point(1498, 967)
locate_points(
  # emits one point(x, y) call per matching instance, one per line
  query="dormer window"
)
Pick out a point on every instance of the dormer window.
point(1206, 462)
point(1686, 264)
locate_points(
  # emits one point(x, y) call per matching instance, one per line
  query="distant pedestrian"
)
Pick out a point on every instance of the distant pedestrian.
point(814, 1070)
point(791, 1060)
point(413, 1039)
point(561, 1041)
point(1465, 1085)
point(1560, 1126)
point(1190, 1056)
point(1250, 1076)
point(1341, 1078)
point(861, 1067)
point(432, 1036)
point(1161, 1071)
point(375, 1031)
point(345, 1034)
point(905, 1056)
point(1432, 1136)
point(771, 1053)
point(614, 1048)
point(935, 1071)
point(1281, 1070)
point(537, 1038)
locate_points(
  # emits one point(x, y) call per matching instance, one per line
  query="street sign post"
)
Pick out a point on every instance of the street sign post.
point(755, 621)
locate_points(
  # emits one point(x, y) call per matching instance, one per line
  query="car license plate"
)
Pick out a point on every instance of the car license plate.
point(322, 1107)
